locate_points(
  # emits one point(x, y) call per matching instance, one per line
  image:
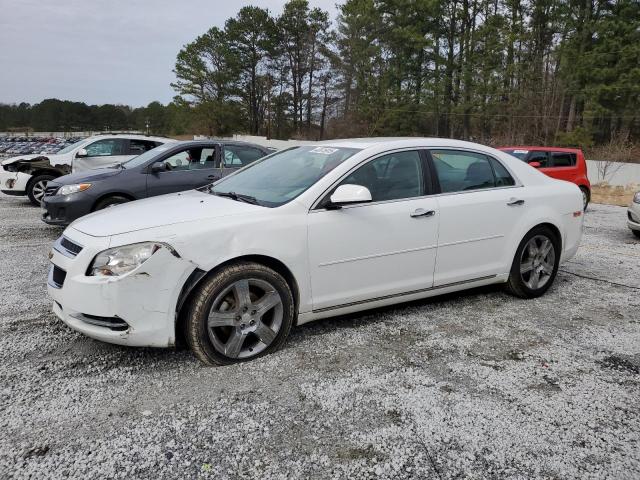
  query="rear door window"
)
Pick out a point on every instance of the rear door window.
point(563, 159)
point(460, 171)
point(138, 147)
point(239, 155)
point(503, 177)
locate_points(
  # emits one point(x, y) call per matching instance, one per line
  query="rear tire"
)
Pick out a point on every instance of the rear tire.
point(36, 188)
point(110, 202)
point(242, 312)
point(636, 233)
point(586, 197)
point(535, 264)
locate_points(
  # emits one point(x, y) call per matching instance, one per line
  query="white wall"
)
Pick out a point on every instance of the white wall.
point(618, 174)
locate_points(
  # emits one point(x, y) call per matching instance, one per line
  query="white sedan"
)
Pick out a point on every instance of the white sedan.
point(312, 232)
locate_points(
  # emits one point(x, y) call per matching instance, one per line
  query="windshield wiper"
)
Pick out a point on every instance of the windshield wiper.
point(239, 197)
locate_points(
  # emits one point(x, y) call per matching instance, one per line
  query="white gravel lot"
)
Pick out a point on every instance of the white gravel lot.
point(476, 385)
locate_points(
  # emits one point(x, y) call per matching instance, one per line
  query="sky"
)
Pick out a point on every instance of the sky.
point(99, 51)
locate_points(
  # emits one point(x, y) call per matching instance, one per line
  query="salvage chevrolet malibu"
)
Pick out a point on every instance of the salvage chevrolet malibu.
point(311, 232)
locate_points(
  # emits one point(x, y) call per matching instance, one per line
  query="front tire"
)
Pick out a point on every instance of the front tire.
point(242, 312)
point(535, 264)
point(636, 233)
point(110, 202)
point(36, 188)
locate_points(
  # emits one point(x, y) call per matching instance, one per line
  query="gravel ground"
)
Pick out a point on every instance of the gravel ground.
point(475, 385)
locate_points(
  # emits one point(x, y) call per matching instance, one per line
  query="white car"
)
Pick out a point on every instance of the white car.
point(312, 232)
point(633, 215)
point(29, 174)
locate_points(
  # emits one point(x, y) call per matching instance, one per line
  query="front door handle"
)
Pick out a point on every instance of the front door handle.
point(515, 202)
point(421, 212)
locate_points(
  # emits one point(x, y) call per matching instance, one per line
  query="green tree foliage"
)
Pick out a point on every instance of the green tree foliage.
point(54, 115)
point(494, 71)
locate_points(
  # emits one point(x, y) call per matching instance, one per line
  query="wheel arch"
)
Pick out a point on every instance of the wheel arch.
point(522, 232)
point(41, 171)
point(198, 276)
point(128, 196)
point(556, 231)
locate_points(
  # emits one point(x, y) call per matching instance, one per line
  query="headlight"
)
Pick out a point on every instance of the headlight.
point(75, 188)
point(636, 198)
point(120, 260)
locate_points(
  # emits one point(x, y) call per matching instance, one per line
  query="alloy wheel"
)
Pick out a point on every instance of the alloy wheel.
point(245, 318)
point(39, 189)
point(537, 262)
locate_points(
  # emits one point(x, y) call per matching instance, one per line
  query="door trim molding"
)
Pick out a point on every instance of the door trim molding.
point(396, 295)
point(480, 239)
point(376, 255)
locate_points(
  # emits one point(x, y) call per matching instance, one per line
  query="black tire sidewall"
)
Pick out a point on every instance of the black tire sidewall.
point(516, 277)
point(204, 296)
point(32, 182)
point(109, 201)
point(586, 190)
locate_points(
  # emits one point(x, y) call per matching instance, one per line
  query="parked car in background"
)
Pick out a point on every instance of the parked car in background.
point(172, 167)
point(310, 232)
point(561, 163)
point(633, 215)
point(30, 174)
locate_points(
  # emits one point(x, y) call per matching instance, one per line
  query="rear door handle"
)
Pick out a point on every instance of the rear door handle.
point(421, 212)
point(515, 202)
point(213, 177)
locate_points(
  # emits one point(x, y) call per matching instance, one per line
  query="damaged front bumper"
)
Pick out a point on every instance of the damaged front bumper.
point(13, 183)
point(136, 309)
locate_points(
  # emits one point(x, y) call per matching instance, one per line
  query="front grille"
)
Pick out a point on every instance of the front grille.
point(51, 190)
point(113, 323)
point(71, 247)
point(57, 277)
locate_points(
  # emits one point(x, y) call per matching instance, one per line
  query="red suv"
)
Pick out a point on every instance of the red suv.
point(561, 163)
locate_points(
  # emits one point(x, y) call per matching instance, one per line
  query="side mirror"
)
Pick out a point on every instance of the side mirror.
point(535, 164)
point(158, 167)
point(82, 153)
point(349, 194)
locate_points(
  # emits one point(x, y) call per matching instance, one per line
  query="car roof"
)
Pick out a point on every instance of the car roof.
point(210, 141)
point(133, 136)
point(396, 142)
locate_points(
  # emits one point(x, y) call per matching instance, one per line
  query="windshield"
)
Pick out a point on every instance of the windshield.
point(145, 157)
point(279, 178)
point(71, 147)
point(521, 154)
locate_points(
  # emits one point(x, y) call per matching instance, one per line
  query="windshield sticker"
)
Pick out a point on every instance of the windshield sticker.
point(324, 150)
point(521, 151)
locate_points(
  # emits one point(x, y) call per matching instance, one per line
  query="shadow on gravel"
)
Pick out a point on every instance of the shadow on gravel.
point(375, 315)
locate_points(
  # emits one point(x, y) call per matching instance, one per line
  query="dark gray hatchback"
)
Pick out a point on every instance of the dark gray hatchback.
point(172, 167)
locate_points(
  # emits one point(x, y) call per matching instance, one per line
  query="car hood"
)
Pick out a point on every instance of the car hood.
point(160, 211)
point(54, 159)
point(87, 176)
point(20, 157)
